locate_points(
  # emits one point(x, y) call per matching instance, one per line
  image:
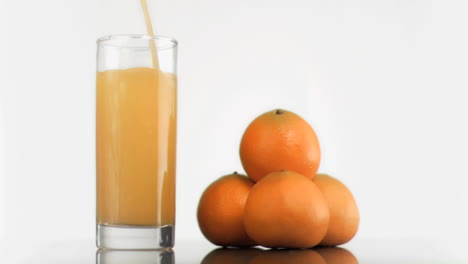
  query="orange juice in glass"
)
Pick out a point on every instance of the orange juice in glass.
point(136, 114)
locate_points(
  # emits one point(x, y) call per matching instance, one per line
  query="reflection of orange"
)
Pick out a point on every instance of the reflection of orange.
point(306, 256)
point(279, 140)
point(286, 210)
point(221, 209)
point(344, 214)
point(336, 255)
point(231, 256)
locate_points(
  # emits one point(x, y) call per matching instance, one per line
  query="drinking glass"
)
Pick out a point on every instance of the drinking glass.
point(136, 114)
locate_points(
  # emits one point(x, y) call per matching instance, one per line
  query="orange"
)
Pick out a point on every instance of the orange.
point(344, 214)
point(279, 140)
point(336, 255)
point(288, 257)
point(221, 209)
point(286, 210)
point(231, 256)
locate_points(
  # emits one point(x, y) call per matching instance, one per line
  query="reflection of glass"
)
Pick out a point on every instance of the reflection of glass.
point(135, 142)
point(328, 255)
point(135, 257)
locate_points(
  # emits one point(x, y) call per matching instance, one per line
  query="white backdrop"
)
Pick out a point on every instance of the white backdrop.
point(382, 82)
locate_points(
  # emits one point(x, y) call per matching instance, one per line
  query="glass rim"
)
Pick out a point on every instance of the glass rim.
point(173, 42)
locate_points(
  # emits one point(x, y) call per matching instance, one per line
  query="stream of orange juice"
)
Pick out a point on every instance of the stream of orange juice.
point(150, 31)
point(136, 141)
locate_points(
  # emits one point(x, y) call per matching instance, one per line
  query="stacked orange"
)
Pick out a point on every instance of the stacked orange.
point(283, 202)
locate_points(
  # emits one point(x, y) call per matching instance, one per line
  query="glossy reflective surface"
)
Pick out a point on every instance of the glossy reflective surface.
point(201, 251)
point(131, 257)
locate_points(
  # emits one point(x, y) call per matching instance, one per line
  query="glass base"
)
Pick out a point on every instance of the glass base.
point(134, 237)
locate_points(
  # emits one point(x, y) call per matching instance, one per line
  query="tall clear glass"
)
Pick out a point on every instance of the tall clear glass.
point(136, 116)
